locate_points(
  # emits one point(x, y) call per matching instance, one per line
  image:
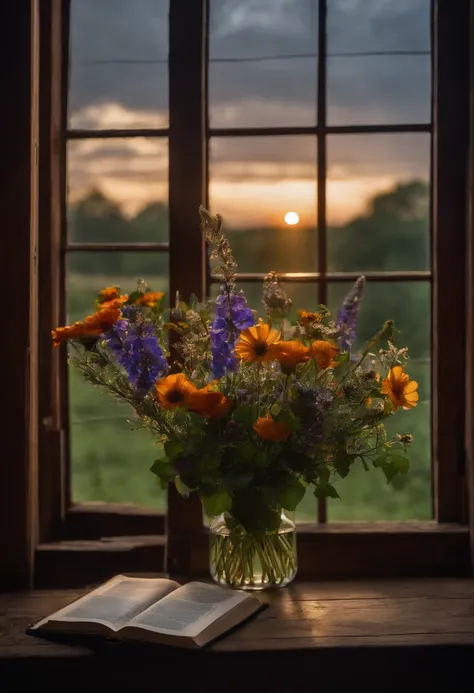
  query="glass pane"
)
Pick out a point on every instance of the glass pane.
point(357, 26)
point(378, 202)
point(379, 90)
point(118, 190)
point(254, 183)
point(109, 462)
point(119, 64)
point(262, 67)
point(366, 495)
point(89, 272)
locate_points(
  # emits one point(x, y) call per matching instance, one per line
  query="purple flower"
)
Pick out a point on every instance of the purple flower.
point(133, 342)
point(347, 315)
point(232, 316)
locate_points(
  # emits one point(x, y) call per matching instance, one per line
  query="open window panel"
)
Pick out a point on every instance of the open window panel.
point(325, 148)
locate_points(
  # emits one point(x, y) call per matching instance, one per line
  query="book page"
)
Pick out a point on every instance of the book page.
point(114, 603)
point(190, 609)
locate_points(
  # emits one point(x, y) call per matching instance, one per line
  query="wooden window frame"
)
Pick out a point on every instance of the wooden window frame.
point(339, 550)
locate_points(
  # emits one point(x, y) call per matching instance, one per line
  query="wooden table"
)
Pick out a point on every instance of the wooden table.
point(351, 636)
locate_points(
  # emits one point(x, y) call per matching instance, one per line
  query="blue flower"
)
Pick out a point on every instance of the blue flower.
point(232, 316)
point(348, 313)
point(136, 348)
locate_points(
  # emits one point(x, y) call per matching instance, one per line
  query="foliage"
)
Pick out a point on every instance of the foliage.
point(294, 407)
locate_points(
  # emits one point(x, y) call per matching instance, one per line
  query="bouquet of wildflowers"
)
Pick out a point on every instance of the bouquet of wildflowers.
point(249, 413)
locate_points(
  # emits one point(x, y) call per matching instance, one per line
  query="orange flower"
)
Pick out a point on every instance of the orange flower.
point(256, 343)
point(268, 429)
point(114, 302)
point(93, 325)
point(101, 321)
point(150, 299)
point(324, 353)
point(62, 334)
point(309, 318)
point(211, 404)
point(290, 354)
point(109, 293)
point(400, 389)
point(174, 391)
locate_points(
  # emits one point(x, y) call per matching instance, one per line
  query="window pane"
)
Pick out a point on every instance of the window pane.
point(254, 183)
point(378, 202)
point(262, 69)
point(89, 272)
point(118, 190)
point(379, 68)
point(109, 462)
point(366, 495)
point(119, 64)
point(378, 25)
point(379, 90)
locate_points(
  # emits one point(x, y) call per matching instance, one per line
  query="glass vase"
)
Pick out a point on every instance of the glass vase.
point(252, 562)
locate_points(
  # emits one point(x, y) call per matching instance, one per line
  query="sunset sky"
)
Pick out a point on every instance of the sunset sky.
point(254, 181)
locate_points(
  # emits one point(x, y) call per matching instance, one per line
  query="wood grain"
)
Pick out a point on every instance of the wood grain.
point(418, 635)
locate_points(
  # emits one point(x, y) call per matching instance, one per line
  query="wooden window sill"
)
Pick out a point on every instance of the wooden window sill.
point(417, 633)
point(325, 552)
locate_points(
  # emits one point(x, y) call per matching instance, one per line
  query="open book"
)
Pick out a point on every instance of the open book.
point(153, 610)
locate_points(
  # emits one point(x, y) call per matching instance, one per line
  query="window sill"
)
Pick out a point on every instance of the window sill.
point(325, 552)
point(418, 634)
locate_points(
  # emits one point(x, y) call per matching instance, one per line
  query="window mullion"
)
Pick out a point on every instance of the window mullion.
point(187, 190)
point(321, 178)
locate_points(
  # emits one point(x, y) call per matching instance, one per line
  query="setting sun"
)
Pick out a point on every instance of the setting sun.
point(291, 218)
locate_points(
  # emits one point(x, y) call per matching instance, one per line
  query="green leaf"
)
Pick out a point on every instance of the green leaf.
point(209, 462)
point(290, 493)
point(246, 414)
point(380, 461)
point(324, 490)
point(173, 448)
point(260, 459)
point(163, 469)
point(275, 410)
point(287, 417)
point(342, 464)
point(217, 503)
point(390, 472)
point(133, 297)
point(181, 488)
point(323, 472)
point(243, 453)
point(237, 479)
point(401, 464)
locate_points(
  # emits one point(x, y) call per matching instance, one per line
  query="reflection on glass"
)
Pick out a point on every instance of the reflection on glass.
point(119, 64)
point(254, 183)
point(118, 190)
point(379, 90)
point(378, 202)
point(376, 25)
point(366, 495)
point(108, 461)
point(262, 63)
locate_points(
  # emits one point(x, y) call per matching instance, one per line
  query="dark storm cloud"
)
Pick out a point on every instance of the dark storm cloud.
point(370, 89)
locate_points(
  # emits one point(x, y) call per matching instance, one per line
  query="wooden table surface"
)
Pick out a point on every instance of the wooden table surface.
point(418, 632)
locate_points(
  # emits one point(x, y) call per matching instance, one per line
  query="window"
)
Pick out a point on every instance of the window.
point(337, 111)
